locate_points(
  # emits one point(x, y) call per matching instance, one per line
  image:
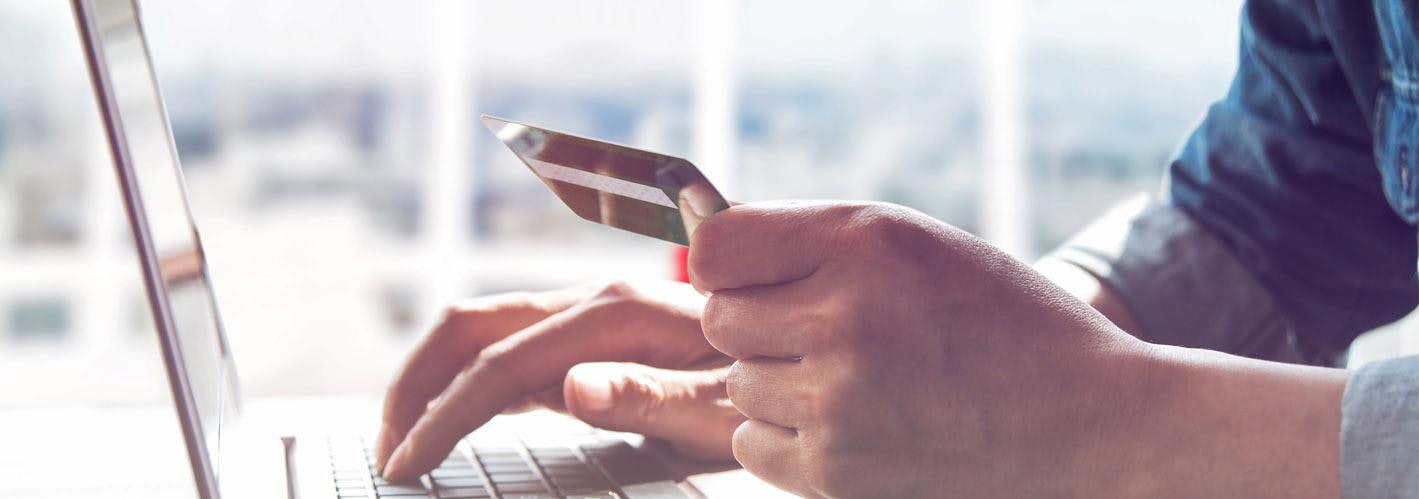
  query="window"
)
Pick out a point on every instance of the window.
point(38, 319)
point(865, 101)
point(1109, 91)
point(346, 190)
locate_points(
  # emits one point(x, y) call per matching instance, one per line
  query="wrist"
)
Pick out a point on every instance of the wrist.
point(1088, 288)
point(1208, 424)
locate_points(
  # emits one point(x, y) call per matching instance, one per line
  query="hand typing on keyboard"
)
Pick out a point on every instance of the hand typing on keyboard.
point(624, 356)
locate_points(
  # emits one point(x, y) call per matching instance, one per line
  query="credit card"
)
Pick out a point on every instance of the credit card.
point(647, 193)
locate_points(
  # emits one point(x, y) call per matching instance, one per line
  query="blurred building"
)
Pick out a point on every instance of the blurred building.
point(314, 140)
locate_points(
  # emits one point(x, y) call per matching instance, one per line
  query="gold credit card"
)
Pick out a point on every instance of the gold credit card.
point(647, 193)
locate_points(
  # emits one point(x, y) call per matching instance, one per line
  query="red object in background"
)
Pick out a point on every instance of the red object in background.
point(681, 265)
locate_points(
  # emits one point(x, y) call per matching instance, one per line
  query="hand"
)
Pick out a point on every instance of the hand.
point(518, 351)
point(884, 354)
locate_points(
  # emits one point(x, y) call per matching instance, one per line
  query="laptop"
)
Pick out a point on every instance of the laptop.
point(514, 457)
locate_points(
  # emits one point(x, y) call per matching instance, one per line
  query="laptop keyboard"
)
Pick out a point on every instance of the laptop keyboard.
point(601, 469)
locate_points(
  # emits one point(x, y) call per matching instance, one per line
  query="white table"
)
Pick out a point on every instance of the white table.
point(137, 452)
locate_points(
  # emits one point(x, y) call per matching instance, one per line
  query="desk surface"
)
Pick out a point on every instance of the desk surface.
point(137, 452)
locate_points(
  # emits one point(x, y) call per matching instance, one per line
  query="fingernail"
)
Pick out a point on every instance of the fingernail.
point(701, 202)
point(595, 395)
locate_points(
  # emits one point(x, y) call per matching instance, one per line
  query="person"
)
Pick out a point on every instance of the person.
point(866, 350)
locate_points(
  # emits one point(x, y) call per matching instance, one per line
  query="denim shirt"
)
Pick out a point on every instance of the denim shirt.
point(1305, 172)
point(1287, 224)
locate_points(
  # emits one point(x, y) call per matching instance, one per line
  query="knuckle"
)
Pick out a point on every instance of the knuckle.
point(476, 308)
point(454, 318)
point(494, 359)
point(735, 381)
point(826, 319)
point(643, 394)
point(457, 320)
point(823, 403)
point(715, 323)
point(741, 446)
point(832, 402)
point(876, 220)
point(498, 365)
point(615, 295)
point(616, 289)
point(888, 224)
point(827, 404)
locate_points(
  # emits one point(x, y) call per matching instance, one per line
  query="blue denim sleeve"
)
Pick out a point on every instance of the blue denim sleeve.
point(1182, 285)
point(1276, 240)
point(1379, 436)
point(1282, 173)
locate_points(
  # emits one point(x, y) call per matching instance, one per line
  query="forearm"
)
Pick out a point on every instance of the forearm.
point(1217, 425)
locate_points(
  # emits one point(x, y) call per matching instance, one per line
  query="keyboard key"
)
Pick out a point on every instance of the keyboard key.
point(454, 473)
point(465, 493)
point(508, 468)
point(583, 490)
point(400, 489)
point(507, 488)
point(549, 452)
point(625, 465)
point(514, 477)
point(583, 474)
point(497, 452)
point(655, 490)
point(581, 484)
point(458, 482)
point(563, 465)
point(591, 494)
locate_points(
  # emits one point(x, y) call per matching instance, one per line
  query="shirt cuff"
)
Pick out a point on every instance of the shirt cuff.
point(1183, 286)
point(1379, 431)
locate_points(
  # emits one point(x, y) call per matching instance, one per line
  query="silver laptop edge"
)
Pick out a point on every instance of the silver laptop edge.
point(92, 21)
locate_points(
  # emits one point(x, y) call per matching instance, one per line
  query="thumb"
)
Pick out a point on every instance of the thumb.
point(690, 409)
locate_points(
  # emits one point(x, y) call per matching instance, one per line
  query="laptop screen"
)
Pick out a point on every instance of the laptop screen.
point(199, 363)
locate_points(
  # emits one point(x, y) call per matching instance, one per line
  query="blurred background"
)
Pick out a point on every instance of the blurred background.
point(345, 191)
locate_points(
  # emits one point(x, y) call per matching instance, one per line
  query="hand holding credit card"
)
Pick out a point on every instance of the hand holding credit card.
point(647, 193)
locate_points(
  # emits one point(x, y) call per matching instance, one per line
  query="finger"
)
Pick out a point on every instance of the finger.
point(770, 453)
point(759, 243)
point(463, 331)
point(450, 417)
point(688, 408)
point(531, 360)
point(765, 321)
point(771, 390)
point(546, 399)
point(457, 338)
